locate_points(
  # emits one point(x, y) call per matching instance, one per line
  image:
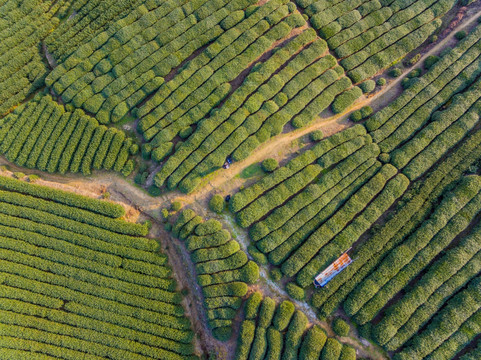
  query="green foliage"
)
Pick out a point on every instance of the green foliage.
point(356, 116)
point(275, 274)
point(430, 61)
point(295, 292)
point(223, 269)
point(316, 135)
point(381, 81)
point(368, 86)
point(332, 349)
point(217, 204)
point(395, 72)
point(67, 267)
point(269, 165)
point(346, 99)
point(176, 206)
point(460, 35)
point(258, 257)
point(340, 327)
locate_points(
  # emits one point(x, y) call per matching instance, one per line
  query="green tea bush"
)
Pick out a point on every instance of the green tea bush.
point(217, 204)
point(430, 61)
point(316, 135)
point(269, 165)
point(381, 81)
point(368, 86)
point(295, 292)
point(346, 99)
point(340, 327)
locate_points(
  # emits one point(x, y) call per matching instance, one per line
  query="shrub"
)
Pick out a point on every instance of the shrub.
point(395, 72)
point(159, 153)
point(275, 274)
point(381, 81)
point(209, 227)
point(316, 135)
point(332, 349)
point(345, 99)
point(176, 206)
point(217, 204)
point(414, 73)
point(367, 86)
point(348, 353)
point(340, 327)
point(33, 178)
point(406, 83)
point(430, 61)
point(384, 158)
point(312, 343)
point(269, 165)
point(414, 59)
point(252, 305)
point(186, 132)
point(460, 35)
point(366, 111)
point(295, 292)
point(154, 191)
point(356, 116)
point(18, 175)
point(165, 214)
point(258, 257)
point(283, 315)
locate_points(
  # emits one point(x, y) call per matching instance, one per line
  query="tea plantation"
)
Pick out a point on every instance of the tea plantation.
point(176, 175)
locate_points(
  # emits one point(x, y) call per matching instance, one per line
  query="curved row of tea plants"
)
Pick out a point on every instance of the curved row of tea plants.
point(223, 269)
point(41, 134)
point(77, 284)
point(24, 25)
point(279, 331)
point(115, 70)
point(304, 215)
point(370, 36)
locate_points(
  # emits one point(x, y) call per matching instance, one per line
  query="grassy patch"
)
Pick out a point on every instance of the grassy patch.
point(251, 171)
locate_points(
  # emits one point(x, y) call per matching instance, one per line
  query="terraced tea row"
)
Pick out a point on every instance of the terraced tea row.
point(304, 215)
point(41, 134)
point(117, 68)
point(275, 331)
point(24, 24)
point(370, 36)
point(78, 284)
point(222, 268)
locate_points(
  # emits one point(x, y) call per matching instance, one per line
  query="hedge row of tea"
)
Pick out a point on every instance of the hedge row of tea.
point(414, 208)
point(23, 26)
point(41, 134)
point(307, 213)
point(435, 113)
point(117, 68)
point(77, 284)
point(223, 269)
point(90, 18)
point(418, 264)
point(369, 36)
point(279, 331)
point(281, 89)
